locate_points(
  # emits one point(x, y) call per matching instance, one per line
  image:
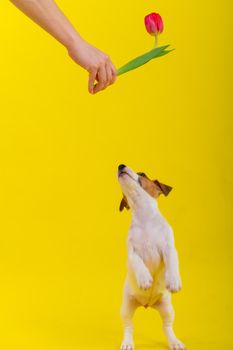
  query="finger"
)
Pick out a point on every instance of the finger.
point(92, 78)
point(102, 75)
point(99, 87)
point(114, 73)
point(109, 73)
point(102, 79)
point(113, 68)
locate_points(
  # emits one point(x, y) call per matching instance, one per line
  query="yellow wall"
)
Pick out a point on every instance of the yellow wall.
point(62, 249)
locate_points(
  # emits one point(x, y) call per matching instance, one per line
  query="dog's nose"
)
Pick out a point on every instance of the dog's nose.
point(121, 167)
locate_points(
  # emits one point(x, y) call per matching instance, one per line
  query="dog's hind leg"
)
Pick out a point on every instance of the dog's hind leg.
point(129, 305)
point(165, 308)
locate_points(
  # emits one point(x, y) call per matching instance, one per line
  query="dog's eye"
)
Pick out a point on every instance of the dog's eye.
point(142, 174)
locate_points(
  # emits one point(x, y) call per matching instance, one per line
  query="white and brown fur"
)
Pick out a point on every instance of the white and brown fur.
point(153, 269)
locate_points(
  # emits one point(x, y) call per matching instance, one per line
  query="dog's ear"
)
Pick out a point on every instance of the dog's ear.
point(124, 204)
point(165, 189)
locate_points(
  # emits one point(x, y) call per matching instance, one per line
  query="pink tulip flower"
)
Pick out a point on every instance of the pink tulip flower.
point(154, 24)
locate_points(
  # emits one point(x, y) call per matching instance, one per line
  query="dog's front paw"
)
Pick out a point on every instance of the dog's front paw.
point(127, 345)
point(177, 345)
point(173, 283)
point(144, 280)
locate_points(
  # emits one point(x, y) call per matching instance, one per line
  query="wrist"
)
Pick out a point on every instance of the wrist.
point(73, 42)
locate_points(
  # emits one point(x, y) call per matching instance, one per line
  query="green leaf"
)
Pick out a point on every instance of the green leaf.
point(165, 52)
point(143, 59)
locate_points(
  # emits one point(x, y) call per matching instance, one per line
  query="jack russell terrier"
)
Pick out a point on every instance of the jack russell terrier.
point(153, 268)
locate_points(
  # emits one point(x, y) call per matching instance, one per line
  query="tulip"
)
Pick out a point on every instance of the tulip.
point(154, 25)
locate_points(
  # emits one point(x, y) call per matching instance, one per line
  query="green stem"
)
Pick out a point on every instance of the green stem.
point(156, 41)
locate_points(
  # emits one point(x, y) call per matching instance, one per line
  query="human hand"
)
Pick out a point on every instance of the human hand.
point(96, 62)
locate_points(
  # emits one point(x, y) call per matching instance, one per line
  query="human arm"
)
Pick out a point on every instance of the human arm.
point(48, 16)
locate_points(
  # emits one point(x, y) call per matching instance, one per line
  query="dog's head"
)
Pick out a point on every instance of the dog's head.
point(137, 187)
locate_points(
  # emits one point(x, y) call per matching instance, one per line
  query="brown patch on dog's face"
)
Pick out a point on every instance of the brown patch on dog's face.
point(153, 187)
point(149, 186)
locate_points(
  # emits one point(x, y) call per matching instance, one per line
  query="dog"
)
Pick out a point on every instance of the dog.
point(152, 264)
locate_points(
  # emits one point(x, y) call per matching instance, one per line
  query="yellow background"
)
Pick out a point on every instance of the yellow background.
point(62, 249)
